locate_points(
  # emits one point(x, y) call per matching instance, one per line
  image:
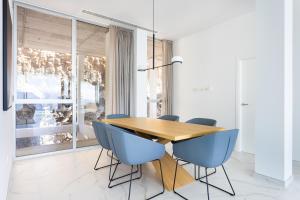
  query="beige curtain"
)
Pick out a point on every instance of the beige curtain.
point(167, 77)
point(120, 92)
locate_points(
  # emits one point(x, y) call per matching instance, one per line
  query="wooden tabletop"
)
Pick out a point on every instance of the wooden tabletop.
point(169, 130)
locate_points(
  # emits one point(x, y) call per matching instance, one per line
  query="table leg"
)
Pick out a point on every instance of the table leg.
point(168, 164)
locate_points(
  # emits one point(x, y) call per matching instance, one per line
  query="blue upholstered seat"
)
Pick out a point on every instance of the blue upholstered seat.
point(169, 117)
point(202, 121)
point(206, 122)
point(116, 116)
point(100, 130)
point(101, 136)
point(209, 151)
point(133, 150)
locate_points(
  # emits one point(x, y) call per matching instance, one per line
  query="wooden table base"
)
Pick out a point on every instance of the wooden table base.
point(168, 164)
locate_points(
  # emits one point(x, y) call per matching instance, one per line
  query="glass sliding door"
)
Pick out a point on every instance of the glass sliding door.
point(43, 128)
point(57, 98)
point(154, 79)
point(91, 64)
point(44, 101)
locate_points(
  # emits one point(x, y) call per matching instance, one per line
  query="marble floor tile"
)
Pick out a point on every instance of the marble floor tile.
point(71, 177)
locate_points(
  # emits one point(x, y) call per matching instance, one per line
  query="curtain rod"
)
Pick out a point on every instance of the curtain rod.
point(116, 20)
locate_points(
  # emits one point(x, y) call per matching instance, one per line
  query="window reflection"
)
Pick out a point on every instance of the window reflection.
point(40, 69)
point(43, 124)
point(154, 80)
point(91, 63)
point(44, 71)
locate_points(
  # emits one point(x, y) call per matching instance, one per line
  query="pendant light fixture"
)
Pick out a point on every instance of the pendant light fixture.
point(175, 59)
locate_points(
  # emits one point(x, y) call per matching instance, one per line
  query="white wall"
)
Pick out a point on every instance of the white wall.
point(274, 114)
point(205, 84)
point(6, 133)
point(296, 136)
point(141, 77)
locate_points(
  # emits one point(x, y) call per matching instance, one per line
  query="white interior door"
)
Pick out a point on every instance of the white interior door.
point(247, 106)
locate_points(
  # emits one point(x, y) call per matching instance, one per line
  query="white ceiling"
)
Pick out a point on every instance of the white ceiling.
point(174, 18)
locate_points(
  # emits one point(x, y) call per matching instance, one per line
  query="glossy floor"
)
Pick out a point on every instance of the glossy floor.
point(71, 176)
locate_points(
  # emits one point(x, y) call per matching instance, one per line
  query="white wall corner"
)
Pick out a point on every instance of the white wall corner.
point(296, 81)
point(274, 114)
point(6, 132)
point(288, 89)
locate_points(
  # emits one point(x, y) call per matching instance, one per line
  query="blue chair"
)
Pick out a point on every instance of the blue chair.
point(206, 122)
point(102, 139)
point(202, 121)
point(212, 151)
point(133, 150)
point(169, 117)
point(101, 135)
point(116, 116)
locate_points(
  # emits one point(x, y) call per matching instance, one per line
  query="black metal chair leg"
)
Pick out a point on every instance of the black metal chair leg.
point(162, 182)
point(130, 182)
point(207, 187)
point(231, 194)
point(113, 179)
point(97, 168)
point(175, 182)
point(137, 170)
point(195, 172)
point(110, 155)
point(201, 177)
point(109, 177)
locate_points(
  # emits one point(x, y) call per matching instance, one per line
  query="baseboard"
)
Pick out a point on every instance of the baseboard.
point(56, 153)
point(275, 181)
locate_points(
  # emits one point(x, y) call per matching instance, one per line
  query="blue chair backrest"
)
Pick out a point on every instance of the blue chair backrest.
point(131, 149)
point(101, 135)
point(202, 121)
point(209, 150)
point(169, 117)
point(116, 116)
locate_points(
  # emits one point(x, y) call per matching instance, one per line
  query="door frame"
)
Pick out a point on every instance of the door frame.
point(238, 110)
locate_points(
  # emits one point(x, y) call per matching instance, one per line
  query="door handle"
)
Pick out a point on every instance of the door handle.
point(244, 104)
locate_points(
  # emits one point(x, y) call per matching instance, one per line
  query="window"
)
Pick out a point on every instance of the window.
point(91, 64)
point(44, 107)
point(56, 101)
point(154, 80)
point(44, 56)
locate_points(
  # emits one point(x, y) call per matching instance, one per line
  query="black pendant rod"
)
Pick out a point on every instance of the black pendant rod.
point(153, 49)
point(142, 70)
point(153, 59)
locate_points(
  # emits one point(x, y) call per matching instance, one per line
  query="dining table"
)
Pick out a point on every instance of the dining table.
point(164, 131)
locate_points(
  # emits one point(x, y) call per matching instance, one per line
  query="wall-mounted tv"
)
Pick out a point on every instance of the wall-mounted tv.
point(7, 57)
